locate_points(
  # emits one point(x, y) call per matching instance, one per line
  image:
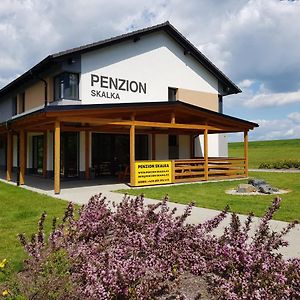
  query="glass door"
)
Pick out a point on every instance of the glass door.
point(69, 162)
point(37, 154)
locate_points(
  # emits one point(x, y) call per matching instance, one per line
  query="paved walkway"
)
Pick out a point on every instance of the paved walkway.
point(276, 170)
point(80, 192)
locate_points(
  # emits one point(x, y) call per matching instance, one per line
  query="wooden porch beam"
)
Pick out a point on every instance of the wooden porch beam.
point(57, 157)
point(205, 154)
point(132, 153)
point(246, 155)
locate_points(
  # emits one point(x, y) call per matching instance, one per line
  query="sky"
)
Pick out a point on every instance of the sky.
point(256, 43)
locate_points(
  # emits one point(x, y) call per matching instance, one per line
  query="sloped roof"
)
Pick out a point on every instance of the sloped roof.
point(187, 46)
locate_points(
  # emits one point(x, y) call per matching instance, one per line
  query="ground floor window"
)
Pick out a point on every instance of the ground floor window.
point(173, 146)
point(110, 152)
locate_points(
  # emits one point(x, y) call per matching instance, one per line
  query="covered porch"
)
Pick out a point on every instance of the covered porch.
point(152, 119)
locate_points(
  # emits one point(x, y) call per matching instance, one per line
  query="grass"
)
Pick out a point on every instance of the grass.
point(267, 151)
point(211, 195)
point(20, 212)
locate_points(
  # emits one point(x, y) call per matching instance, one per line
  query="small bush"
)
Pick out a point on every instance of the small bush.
point(282, 164)
point(134, 251)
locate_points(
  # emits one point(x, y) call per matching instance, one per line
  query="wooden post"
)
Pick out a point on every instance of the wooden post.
point(173, 120)
point(25, 154)
point(246, 157)
point(153, 141)
point(9, 157)
point(205, 154)
point(57, 157)
point(22, 156)
point(132, 152)
point(45, 152)
point(87, 155)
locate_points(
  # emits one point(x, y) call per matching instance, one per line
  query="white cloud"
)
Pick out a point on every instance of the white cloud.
point(295, 116)
point(273, 99)
point(246, 83)
point(276, 129)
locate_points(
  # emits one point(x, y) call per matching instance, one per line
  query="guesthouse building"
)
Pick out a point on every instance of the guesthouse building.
point(145, 107)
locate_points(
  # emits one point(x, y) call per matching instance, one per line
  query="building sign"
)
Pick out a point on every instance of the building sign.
point(109, 87)
point(153, 172)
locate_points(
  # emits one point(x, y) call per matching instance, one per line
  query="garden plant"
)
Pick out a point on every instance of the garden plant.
point(135, 251)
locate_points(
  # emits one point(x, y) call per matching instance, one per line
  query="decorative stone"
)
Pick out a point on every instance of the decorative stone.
point(256, 182)
point(266, 189)
point(246, 188)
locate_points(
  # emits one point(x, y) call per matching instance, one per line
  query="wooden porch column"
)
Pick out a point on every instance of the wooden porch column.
point(153, 146)
point(132, 154)
point(205, 154)
point(45, 153)
point(57, 157)
point(87, 155)
point(22, 156)
point(9, 158)
point(246, 157)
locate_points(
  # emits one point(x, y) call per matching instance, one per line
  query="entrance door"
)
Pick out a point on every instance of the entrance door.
point(110, 152)
point(69, 154)
point(37, 154)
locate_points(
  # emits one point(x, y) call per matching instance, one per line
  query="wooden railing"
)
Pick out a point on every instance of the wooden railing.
point(188, 170)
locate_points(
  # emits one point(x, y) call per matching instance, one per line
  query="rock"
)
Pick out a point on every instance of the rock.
point(246, 188)
point(266, 189)
point(256, 182)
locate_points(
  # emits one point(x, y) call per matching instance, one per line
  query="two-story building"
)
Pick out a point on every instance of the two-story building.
point(147, 104)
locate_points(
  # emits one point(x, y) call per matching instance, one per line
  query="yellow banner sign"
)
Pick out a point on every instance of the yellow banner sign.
point(153, 172)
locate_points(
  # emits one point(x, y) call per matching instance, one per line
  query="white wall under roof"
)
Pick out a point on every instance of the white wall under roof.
point(155, 60)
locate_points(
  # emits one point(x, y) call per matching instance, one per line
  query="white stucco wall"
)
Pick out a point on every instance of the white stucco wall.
point(156, 60)
point(217, 145)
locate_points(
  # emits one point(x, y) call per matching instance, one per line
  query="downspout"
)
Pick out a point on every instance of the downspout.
point(46, 86)
point(46, 89)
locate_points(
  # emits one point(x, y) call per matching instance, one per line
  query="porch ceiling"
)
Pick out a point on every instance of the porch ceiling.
point(164, 117)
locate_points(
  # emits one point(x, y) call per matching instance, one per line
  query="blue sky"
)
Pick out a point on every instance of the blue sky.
point(255, 42)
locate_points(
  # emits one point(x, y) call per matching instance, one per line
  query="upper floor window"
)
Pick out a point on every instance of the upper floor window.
point(172, 94)
point(66, 86)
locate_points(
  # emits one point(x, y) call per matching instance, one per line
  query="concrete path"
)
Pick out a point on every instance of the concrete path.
point(80, 192)
point(276, 170)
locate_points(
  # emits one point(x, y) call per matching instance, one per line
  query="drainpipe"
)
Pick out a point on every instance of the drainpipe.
point(46, 89)
point(46, 86)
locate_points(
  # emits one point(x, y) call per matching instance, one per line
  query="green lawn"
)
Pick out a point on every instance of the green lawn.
point(267, 151)
point(20, 212)
point(211, 195)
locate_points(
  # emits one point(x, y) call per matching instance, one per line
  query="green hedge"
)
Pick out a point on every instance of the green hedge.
point(281, 164)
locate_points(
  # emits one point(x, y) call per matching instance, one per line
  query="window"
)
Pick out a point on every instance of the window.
point(14, 105)
point(22, 103)
point(172, 94)
point(66, 86)
point(173, 146)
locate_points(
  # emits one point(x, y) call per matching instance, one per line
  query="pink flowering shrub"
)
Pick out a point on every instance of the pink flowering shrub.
point(134, 251)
